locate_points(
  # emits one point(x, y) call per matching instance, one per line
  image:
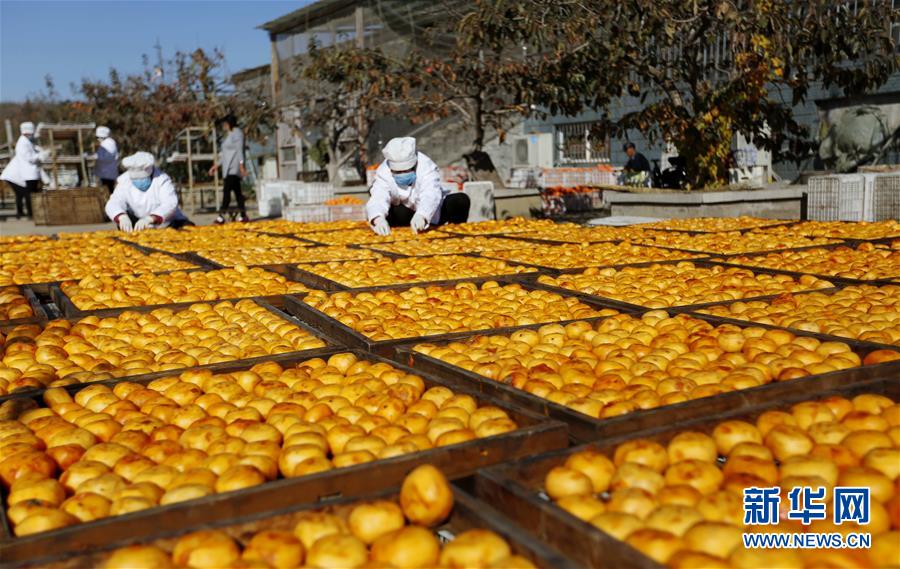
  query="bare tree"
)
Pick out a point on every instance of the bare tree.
point(147, 110)
point(341, 91)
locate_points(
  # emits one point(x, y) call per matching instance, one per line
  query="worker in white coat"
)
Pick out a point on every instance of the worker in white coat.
point(407, 192)
point(106, 167)
point(23, 173)
point(144, 197)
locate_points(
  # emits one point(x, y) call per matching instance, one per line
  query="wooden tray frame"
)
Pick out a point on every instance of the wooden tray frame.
point(536, 434)
point(515, 488)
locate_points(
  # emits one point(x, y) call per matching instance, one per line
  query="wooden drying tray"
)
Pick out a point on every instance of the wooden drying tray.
point(350, 337)
point(468, 513)
point(536, 434)
point(699, 263)
point(516, 489)
point(216, 367)
point(585, 428)
point(69, 310)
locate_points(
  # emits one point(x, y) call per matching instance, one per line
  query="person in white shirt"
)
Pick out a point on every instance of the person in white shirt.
point(144, 197)
point(106, 167)
point(23, 173)
point(407, 192)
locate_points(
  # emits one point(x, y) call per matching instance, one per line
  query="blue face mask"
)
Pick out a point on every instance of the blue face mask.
point(143, 184)
point(406, 179)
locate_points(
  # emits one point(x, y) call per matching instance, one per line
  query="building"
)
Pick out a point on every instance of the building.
point(399, 25)
point(395, 26)
point(256, 82)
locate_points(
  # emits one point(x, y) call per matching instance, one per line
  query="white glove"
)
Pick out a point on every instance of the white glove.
point(380, 226)
point(125, 223)
point(143, 223)
point(418, 223)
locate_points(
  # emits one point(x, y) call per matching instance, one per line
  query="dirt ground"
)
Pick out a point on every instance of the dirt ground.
point(13, 226)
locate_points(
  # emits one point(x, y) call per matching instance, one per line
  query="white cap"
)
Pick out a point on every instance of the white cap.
point(102, 132)
point(139, 165)
point(400, 153)
point(26, 128)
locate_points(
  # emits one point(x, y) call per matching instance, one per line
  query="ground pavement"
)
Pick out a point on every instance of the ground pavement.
point(13, 226)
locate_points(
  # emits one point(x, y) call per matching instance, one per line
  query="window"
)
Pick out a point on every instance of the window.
point(576, 144)
point(288, 154)
point(895, 28)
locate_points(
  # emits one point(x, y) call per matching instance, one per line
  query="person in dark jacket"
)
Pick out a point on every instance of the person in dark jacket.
point(637, 162)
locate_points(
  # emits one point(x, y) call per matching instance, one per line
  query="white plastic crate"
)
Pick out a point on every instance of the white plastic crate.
point(522, 177)
point(886, 197)
point(305, 193)
point(841, 197)
point(574, 177)
point(603, 178)
point(271, 196)
point(351, 212)
point(307, 213)
point(481, 198)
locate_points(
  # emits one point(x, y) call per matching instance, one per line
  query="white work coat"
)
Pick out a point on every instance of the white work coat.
point(107, 166)
point(25, 165)
point(425, 196)
point(160, 199)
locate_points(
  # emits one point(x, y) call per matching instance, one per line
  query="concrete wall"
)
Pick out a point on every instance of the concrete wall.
point(782, 203)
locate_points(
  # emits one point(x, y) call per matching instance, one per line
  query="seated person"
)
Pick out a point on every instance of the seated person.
point(144, 197)
point(407, 192)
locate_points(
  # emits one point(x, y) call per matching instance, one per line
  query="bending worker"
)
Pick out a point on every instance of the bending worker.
point(24, 171)
point(144, 197)
point(407, 192)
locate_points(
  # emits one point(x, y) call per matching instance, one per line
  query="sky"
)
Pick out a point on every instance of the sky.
point(71, 39)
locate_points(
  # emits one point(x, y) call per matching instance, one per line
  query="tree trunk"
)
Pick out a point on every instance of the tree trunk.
point(478, 120)
point(337, 159)
point(334, 157)
point(479, 162)
point(362, 128)
point(332, 168)
point(362, 136)
point(481, 167)
point(707, 160)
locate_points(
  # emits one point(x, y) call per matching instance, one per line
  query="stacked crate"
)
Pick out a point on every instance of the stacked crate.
point(854, 197)
point(306, 201)
point(840, 197)
point(272, 196)
point(309, 202)
point(886, 197)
